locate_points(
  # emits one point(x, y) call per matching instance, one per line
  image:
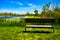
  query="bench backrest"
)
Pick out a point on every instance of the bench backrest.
point(40, 20)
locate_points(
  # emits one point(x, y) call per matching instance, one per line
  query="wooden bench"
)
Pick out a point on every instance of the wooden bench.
point(39, 23)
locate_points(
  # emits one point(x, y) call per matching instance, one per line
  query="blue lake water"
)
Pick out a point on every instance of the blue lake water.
point(10, 17)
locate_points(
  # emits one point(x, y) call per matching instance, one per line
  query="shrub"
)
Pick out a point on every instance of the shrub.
point(10, 23)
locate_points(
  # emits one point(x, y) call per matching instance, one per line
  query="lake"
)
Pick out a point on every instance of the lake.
point(11, 17)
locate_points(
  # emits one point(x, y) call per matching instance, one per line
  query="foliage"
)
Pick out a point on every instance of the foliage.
point(46, 7)
point(28, 13)
point(54, 13)
point(36, 12)
point(11, 23)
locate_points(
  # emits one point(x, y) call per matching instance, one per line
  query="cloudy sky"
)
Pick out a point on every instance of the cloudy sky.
point(23, 6)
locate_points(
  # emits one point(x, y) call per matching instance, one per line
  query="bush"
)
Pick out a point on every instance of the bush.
point(12, 23)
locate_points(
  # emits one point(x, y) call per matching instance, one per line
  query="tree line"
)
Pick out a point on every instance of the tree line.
point(46, 12)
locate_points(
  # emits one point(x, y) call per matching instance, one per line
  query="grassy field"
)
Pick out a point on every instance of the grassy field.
point(33, 16)
point(13, 30)
point(16, 33)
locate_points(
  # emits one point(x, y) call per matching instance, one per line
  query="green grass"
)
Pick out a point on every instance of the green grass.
point(33, 16)
point(13, 30)
point(16, 33)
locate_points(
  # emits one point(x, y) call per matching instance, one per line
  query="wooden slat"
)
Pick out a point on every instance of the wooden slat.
point(38, 25)
point(33, 20)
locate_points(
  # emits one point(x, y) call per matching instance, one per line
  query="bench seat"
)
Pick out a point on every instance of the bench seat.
point(38, 26)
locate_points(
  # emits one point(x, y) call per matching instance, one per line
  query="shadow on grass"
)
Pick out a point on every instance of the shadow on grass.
point(36, 32)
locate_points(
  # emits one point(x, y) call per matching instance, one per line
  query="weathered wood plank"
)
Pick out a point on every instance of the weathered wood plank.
point(38, 25)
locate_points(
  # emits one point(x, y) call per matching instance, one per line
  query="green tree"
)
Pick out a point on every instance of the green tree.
point(57, 12)
point(36, 12)
point(46, 7)
point(27, 13)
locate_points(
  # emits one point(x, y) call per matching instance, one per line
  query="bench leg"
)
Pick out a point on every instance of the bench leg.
point(25, 28)
point(53, 29)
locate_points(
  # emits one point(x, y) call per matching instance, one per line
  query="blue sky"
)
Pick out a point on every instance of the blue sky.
point(23, 6)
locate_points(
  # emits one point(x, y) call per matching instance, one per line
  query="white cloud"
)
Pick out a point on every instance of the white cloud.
point(32, 5)
point(19, 3)
point(22, 10)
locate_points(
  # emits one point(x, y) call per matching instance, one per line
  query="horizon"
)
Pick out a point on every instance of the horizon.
point(24, 6)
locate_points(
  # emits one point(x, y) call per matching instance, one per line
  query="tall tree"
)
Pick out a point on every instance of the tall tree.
point(46, 7)
point(57, 12)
